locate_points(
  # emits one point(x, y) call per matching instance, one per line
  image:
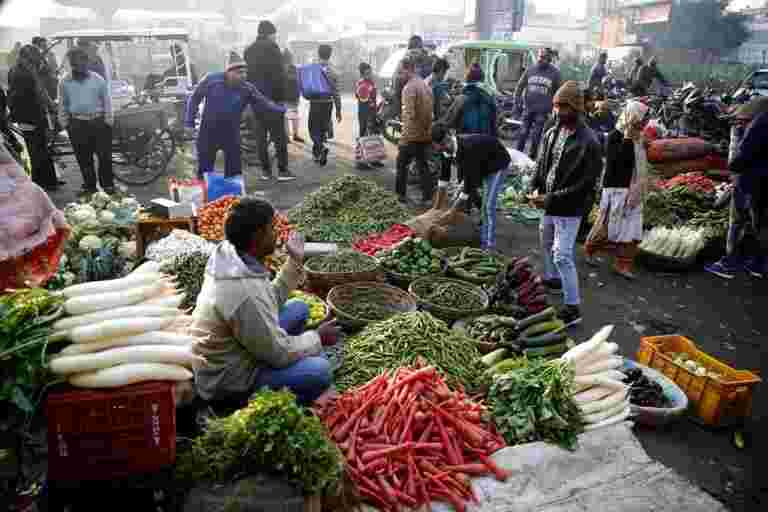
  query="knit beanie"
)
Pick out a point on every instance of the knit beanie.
point(475, 74)
point(267, 28)
point(234, 61)
point(570, 93)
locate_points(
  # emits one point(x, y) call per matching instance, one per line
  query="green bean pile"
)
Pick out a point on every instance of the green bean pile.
point(401, 341)
point(345, 260)
point(450, 295)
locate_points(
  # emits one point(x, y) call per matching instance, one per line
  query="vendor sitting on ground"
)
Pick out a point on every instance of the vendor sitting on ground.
point(254, 338)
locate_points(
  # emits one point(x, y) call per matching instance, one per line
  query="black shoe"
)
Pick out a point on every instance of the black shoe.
point(377, 164)
point(61, 182)
point(554, 285)
point(109, 190)
point(266, 176)
point(570, 315)
point(285, 175)
point(360, 166)
point(323, 158)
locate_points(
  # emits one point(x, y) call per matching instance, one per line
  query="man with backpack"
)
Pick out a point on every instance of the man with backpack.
point(475, 110)
point(267, 74)
point(319, 84)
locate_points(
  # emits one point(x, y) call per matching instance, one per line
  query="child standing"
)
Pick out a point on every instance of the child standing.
point(366, 94)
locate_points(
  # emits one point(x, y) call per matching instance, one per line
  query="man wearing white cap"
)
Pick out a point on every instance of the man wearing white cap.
point(226, 96)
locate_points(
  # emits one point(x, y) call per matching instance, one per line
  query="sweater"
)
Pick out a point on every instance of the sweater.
point(265, 69)
point(537, 87)
point(88, 97)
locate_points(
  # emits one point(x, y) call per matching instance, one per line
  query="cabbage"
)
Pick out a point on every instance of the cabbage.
point(107, 216)
point(90, 242)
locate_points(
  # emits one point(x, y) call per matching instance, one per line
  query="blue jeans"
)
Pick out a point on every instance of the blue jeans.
point(307, 378)
point(493, 184)
point(558, 242)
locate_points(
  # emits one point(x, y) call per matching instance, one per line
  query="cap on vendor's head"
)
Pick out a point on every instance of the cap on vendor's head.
point(570, 94)
point(235, 61)
point(266, 28)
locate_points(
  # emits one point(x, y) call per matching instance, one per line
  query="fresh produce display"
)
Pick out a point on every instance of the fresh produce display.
point(273, 434)
point(177, 243)
point(400, 341)
point(344, 209)
point(448, 293)
point(317, 307)
point(643, 391)
point(25, 323)
point(534, 403)
point(282, 227)
point(713, 222)
point(189, 271)
point(408, 440)
point(275, 261)
point(343, 261)
point(476, 265)
point(693, 181)
point(598, 387)
point(382, 241)
point(412, 257)
point(492, 329)
point(679, 243)
point(520, 292)
point(212, 216)
point(684, 360)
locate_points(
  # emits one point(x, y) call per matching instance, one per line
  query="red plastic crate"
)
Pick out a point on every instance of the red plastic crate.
point(105, 434)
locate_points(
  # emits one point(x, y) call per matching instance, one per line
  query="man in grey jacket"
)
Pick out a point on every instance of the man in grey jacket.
point(534, 93)
point(252, 338)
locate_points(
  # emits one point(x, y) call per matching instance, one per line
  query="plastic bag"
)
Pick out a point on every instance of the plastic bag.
point(370, 149)
point(218, 185)
point(188, 191)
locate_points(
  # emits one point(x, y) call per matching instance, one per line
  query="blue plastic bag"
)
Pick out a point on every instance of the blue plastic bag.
point(218, 185)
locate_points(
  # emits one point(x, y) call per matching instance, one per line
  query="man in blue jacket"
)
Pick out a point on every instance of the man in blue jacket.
point(226, 96)
point(749, 165)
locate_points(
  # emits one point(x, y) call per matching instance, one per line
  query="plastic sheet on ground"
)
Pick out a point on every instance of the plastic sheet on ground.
point(609, 472)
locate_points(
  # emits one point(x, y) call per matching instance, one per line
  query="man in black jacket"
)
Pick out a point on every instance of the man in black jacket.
point(568, 164)
point(266, 72)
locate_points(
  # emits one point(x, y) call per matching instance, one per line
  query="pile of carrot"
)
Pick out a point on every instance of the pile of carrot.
point(408, 440)
point(282, 227)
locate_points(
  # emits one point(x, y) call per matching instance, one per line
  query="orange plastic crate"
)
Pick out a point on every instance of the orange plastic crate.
point(111, 433)
point(715, 402)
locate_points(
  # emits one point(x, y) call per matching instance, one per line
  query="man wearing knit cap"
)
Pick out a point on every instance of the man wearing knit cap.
point(267, 74)
point(568, 165)
point(226, 95)
point(534, 94)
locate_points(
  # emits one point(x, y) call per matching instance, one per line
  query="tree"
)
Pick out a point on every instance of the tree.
point(706, 25)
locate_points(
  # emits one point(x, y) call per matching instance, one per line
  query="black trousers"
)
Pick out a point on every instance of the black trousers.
point(420, 153)
point(43, 173)
point(319, 124)
point(91, 138)
point(271, 128)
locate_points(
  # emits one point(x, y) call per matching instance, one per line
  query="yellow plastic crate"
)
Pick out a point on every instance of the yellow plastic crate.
point(716, 402)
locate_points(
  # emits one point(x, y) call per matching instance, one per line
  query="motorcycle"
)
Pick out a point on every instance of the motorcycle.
point(387, 120)
point(705, 116)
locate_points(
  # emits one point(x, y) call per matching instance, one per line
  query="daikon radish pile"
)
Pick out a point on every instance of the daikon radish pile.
point(599, 392)
point(112, 285)
point(111, 314)
point(169, 354)
point(118, 327)
point(132, 373)
point(148, 338)
point(82, 304)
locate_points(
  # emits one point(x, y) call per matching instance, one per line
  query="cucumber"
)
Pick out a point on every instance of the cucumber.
point(542, 316)
point(494, 357)
point(505, 366)
point(543, 340)
point(548, 350)
point(541, 328)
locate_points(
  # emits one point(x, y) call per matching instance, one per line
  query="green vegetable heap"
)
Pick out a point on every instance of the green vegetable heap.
point(345, 208)
point(345, 260)
point(534, 403)
point(412, 256)
point(271, 434)
point(189, 270)
point(448, 293)
point(476, 265)
point(403, 340)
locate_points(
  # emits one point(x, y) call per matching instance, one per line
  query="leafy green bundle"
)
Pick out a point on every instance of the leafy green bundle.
point(189, 270)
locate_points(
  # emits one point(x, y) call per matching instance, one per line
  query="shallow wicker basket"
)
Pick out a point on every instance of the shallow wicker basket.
point(453, 251)
point(393, 298)
point(323, 282)
point(444, 312)
point(404, 280)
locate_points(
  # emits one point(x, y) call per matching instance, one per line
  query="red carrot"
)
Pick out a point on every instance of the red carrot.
point(499, 473)
point(374, 466)
point(427, 432)
point(448, 446)
point(474, 434)
point(406, 500)
point(470, 469)
point(387, 490)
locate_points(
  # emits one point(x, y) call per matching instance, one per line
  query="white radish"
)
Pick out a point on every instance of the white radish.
point(90, 303)
point(112, 285)
point(582, 350)
point(170, 354)
point(168, 301)
point(138, 310)
point(118, 328)
point(590, 395)
point(616, 418)
point(606, 350)
point(148, 338)
point(599, 416)
point(147, 266)
point(598, 379)
point(125, 374)
point(601, 365)
point(608, 402)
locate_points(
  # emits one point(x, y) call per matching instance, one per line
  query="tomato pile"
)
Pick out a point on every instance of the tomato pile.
point(212, 216)
point(379, 241)
point(693, 181)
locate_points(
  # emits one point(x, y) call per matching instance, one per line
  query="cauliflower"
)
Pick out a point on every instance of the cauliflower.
point(83, 214)
point(90, 242)
point(127, 250)
point(107, 217)
point(100, 199)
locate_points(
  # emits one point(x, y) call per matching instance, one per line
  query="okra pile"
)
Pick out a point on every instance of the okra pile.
point(345, 260)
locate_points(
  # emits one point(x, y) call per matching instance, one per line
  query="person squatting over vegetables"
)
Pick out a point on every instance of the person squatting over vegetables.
point(749, 200)
point(619, 225)
point(255, 338)
point(568, 164)
point(85, 111)
point(226, 95)
point(416, 138)
point(534, 95)
point(483, 160)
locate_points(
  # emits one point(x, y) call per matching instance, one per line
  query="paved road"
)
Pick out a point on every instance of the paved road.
point(726, 318)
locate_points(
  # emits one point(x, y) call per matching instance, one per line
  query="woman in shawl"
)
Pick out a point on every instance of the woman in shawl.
point(619, 226)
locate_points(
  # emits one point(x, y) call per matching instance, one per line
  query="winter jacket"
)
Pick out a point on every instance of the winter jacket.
point(26, 98)
point(537, 87)
point(265, 69)
point(750, 159)
point(473, 112)
point(417, 112)
point(237, 311)
point(478, 156)
point(576, 173)
point(291, 85)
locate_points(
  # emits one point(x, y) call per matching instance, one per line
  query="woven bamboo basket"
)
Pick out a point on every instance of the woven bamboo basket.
point(323, 282)
point(444, 312)
point(393, 299)
point(450, 252)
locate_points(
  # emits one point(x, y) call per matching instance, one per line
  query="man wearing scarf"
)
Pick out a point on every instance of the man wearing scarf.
point(619, 226)
point(568, 164)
